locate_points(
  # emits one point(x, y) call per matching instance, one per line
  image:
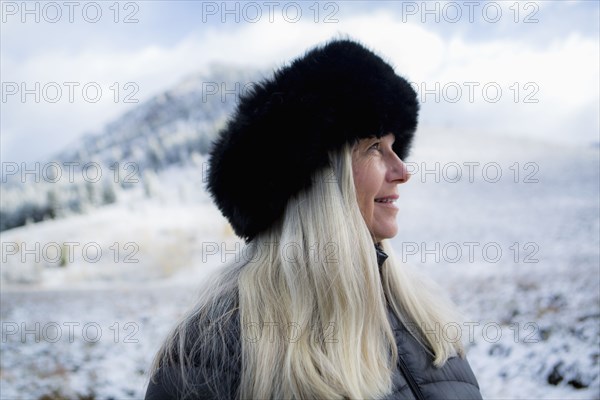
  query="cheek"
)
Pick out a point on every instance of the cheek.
point(368, 180)
point(365, 190)
point(361, 181)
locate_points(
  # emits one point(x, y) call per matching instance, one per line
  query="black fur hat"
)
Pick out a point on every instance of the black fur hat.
point(284, 127)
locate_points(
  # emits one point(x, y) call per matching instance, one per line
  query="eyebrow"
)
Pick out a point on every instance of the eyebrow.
point(381, 138)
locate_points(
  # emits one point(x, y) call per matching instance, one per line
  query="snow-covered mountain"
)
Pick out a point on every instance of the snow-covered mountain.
point(170, 128)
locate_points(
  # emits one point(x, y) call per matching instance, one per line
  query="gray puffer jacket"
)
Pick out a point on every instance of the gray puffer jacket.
point(415, 378)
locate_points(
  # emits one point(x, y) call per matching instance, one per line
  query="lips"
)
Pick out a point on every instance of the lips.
point(387, 199)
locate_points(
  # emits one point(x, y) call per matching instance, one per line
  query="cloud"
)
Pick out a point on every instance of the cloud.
point(562, 75)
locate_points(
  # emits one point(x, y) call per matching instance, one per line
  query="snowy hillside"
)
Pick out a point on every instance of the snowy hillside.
point(171, 128)
point(509, 228)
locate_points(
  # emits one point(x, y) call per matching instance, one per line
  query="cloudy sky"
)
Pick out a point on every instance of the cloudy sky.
point(524, 68)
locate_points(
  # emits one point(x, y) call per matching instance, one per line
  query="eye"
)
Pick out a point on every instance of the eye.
point(375, 146)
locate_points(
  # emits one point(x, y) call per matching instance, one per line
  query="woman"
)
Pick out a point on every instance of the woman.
point(307, 172)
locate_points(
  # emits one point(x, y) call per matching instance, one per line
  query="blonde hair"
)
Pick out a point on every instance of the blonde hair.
point(308, 306)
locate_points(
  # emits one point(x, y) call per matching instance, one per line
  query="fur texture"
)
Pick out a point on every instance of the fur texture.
point(283, 129)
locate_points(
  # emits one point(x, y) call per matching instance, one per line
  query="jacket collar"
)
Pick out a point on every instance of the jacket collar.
point(381, 255)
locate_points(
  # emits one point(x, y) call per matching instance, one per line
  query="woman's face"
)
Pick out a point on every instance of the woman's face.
point(377, 171)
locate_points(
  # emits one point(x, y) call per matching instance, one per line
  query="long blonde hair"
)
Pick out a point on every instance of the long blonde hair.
point(307, 307)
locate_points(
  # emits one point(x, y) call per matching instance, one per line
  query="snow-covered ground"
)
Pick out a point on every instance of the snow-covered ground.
point(520, 258)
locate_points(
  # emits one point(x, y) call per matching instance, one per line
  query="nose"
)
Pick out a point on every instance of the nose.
point(398, 170)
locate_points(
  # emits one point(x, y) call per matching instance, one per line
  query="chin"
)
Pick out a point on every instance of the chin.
point(382, 234)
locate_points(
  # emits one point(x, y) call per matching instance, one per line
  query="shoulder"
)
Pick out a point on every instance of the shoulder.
point(211, 359)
